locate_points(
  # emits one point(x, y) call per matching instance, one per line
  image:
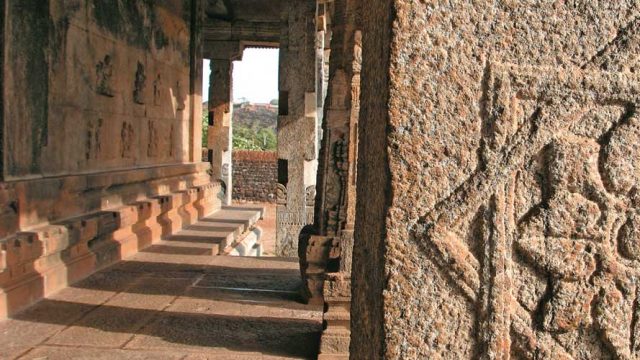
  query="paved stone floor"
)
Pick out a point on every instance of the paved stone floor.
point(163, 304)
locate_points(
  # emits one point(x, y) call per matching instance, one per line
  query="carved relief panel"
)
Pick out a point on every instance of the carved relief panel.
point(544, 236)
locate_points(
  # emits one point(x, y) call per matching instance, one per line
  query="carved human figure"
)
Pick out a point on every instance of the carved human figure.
point(569, 237)
point(340, 161)
point(157, 84)
point(104, 73)
point(126, 140)
point(139, 85)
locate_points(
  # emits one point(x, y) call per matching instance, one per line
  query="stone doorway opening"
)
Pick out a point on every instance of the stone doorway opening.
point(241, 136)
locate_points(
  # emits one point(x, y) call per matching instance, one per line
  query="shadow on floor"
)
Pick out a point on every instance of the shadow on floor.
point(155, 329)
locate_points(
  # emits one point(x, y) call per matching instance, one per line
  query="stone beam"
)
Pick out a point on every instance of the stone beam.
point(222, 50)
point(258, 32)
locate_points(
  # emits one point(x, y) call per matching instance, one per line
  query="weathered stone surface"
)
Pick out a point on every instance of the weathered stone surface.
point(97, 86)
point(220, 125)
point(491, 208)
point(101, 157)
point(297, 122)
point(335, 205)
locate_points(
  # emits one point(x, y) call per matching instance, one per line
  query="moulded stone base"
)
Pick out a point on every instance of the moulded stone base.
point(44, 260)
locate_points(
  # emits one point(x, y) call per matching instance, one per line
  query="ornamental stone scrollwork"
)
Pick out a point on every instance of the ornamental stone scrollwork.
point(546, 239)
point(281, 194)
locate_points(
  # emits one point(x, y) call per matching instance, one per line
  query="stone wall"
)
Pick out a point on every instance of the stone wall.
point(255, 175)
point(96, 85)
point(497, 183)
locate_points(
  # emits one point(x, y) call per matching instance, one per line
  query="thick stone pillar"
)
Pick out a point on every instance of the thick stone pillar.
point(220, 123)
point(297, 126)
point(498, 175)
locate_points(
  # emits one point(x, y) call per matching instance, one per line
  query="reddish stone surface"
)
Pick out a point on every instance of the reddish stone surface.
point(176, 305)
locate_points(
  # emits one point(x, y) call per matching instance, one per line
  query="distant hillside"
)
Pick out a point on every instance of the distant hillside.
point(256, 117)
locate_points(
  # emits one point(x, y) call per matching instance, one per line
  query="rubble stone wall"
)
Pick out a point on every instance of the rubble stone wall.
point(255, 175)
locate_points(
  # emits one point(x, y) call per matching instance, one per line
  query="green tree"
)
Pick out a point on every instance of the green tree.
point(205, 128)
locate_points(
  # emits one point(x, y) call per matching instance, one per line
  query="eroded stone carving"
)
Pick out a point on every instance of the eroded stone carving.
point(152, 145)
point(281, 194)
point(104, 74)
point(126, 140)
point(340, 162)
point(310, 195)
point(157, 85)
point(139, 85)
point(94, 144)
point(552, 265)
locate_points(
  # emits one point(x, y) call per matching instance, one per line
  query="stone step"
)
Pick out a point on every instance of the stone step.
point(222, 231)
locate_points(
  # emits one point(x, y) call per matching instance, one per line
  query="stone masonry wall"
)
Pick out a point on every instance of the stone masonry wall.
point(96, 85)
point(255, 174)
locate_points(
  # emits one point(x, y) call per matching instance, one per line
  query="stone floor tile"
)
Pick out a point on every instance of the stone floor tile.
point(67, 352)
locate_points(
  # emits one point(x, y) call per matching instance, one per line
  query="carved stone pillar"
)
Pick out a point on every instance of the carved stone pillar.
point(337, 179)
point(297, 125)
point(498, 205)
point(220, 123)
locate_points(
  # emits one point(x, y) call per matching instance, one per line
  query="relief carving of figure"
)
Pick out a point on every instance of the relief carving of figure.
point(157, 84)
point(152, 146)
point(357, 52)
point(126, 140)
point(104, 73)
point(572, 238)
point(340, 161)
point(139, 85)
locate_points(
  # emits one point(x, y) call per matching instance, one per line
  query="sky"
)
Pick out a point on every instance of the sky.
point(254, 78)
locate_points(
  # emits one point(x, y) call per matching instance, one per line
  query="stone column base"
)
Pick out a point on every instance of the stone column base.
point(336, 337)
